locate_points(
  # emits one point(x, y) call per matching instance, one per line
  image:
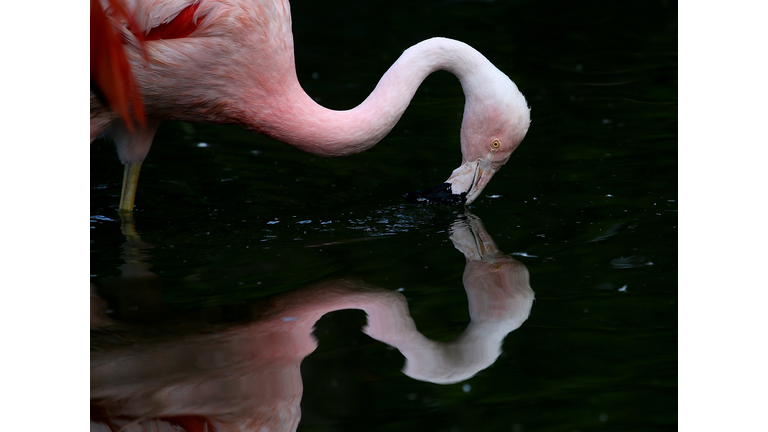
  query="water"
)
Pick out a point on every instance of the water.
point(230, 223)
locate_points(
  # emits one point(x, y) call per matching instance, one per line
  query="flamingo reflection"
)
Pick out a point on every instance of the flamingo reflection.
point(247, 377)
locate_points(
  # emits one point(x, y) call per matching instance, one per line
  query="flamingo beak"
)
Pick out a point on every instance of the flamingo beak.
point(463, 186)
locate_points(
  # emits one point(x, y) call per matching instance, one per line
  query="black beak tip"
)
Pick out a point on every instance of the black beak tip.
point(438, 195)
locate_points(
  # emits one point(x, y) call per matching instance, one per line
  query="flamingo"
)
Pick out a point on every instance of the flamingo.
point(232, 62)
point(247, 376)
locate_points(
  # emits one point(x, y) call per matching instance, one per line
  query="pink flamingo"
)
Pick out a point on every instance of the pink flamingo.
point(232, 62)
point(246, 377)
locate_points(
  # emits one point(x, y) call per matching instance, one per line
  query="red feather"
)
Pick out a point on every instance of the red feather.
point(181, 26)
point(110, 71)
point(191, 423)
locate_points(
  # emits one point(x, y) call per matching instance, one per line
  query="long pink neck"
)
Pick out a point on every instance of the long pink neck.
point(294, 118)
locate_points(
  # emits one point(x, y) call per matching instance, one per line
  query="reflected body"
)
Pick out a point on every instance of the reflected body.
point(236, 66)
point(247, 377)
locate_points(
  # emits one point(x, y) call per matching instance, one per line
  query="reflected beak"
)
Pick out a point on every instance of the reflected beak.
point(470, 237)
point(462, 187)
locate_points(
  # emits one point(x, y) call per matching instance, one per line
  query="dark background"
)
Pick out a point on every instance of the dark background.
point(588, 202)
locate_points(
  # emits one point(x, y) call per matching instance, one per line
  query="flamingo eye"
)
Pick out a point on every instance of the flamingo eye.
point(495, 144)
point(497, 266)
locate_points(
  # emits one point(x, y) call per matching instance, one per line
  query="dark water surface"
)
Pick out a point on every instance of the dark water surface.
point(241, 243)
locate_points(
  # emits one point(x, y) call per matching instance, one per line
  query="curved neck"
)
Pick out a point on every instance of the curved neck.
point(293, 117)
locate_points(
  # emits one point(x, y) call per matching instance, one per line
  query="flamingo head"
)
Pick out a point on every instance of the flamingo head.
point(496, 119)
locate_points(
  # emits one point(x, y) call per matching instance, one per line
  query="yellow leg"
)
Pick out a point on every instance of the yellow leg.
point(130, 181)
point(128, 226)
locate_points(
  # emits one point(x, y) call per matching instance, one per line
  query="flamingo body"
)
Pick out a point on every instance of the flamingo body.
point(232, 62)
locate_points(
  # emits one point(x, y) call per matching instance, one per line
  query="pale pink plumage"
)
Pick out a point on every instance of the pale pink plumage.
point(238, 68)
point(247, 377)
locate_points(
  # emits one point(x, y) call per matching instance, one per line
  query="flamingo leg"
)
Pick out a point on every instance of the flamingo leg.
point(130, 181)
